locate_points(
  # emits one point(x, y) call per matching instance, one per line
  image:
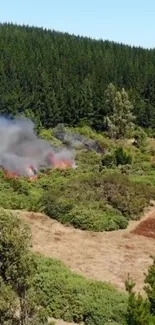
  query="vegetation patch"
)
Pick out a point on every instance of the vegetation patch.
point(73, 298)
point(103, 193)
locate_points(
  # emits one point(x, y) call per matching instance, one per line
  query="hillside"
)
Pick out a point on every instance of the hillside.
point(82, 177)
point(60, 78)
point(88, 218)
point(88, 253)
point(113, 182)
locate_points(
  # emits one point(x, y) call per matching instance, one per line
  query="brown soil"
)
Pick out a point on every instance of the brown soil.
point(106, 256)
point(146, 228)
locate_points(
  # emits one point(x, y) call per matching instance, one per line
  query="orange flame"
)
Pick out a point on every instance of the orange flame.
point(55, 162)
point(12, 175)
point(61, 163)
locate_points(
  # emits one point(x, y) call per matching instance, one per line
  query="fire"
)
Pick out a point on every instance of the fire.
point(10, 174)
point(15, 175)
point(61, 163)
point(32, 173)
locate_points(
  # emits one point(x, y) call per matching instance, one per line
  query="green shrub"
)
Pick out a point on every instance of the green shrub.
point(140, 138)
point(125, 169)
point(117, 157)
point(88, 160)
point(124, 195)
point(122, 157)
point(77, 205)
point(78, 201)
point(73, 298)
point(46, 134)
point(20, 186)
point(56, 206)
point(109, 160)
point(89, 218)
point(87, 131)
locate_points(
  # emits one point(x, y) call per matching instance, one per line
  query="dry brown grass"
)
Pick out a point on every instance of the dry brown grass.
point(106, 256)
point(61, 322)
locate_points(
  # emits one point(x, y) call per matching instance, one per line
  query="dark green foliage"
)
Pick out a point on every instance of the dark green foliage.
point(119, 119)
point(89, 218)
point(109, 160)
point(140, 138)
point(17, 270)
point(59, 78)
point(73, 298)
point(122, 157)
point(138, 312)
point(97, 202)
point(8, 303)
point(141, 311)
point(117, 157)
point(124, 195)
point(55, 206)
point(150, 286)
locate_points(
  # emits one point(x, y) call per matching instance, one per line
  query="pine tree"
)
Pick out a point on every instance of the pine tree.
point(119, 123)
point(141, 311)
point(34, 62)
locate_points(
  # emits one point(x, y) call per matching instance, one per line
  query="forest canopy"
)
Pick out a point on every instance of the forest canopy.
point(55, 77)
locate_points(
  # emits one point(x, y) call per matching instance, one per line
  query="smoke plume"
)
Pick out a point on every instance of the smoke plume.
point(75, 140)
point(20, 148)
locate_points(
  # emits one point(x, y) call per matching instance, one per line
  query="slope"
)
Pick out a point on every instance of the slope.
point(107, 256)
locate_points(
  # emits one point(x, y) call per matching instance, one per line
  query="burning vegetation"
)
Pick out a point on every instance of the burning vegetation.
point(22, 153)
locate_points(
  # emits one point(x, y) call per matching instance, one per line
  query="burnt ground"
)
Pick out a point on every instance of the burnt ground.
point(106, 256)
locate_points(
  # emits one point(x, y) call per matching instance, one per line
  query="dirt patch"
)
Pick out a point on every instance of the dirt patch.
point(61, 322)
point(106, 256)
point(146, 228)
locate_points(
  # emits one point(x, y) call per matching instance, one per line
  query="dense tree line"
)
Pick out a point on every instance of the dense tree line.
point(56, 78)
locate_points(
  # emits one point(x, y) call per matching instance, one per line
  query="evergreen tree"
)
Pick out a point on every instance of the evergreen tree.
point(62, 78)
point(119, 123)
point(141, 311)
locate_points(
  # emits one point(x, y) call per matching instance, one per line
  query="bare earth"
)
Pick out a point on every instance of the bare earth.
point(62, 322)
point(106, 256)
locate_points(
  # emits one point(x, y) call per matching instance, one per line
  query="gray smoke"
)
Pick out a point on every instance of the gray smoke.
point(75, 139)
point(20, 147)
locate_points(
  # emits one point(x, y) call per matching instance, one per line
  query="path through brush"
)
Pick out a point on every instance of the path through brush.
point(106, 256)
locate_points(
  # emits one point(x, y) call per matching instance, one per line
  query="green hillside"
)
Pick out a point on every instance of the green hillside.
point(113, 183)
point(62, 78)
point(97, 99)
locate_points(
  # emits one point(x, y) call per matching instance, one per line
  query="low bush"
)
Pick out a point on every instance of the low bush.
point(89, 218)
point(55, 206)
point(140, 138)
point(122, 157)
point(89, 160)
point(125, 195)
point(73, 298)
point(78, 201)
point(117, 157)
point(109, 160)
